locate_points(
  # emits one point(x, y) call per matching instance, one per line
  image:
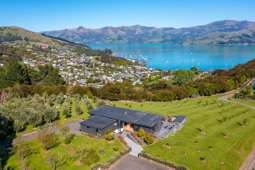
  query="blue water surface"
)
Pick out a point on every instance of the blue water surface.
point(173, 57)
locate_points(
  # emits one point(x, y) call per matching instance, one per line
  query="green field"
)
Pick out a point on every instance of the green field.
point(67, 154)
point(216, 135)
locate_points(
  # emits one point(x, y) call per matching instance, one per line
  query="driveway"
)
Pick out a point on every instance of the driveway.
point(130, 162)
point(165, 129)
point(131, 142)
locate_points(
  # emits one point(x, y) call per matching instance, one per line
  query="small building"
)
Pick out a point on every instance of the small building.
point(117, 118)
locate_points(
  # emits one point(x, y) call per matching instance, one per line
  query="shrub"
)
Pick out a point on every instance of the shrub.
point(115, 148)
point(68, 138)
point(48, 139)
point(141, 132)
point(67, 111)
point(89, 157)
point(109, 136)
point(24, 150)
point(78, 110)
point(50, 115)
point(148, 139)
point(65, 130)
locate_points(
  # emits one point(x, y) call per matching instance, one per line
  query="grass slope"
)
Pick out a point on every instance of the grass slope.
point(216, 135)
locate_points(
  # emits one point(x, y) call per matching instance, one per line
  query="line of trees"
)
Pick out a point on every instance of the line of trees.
point(220, 81)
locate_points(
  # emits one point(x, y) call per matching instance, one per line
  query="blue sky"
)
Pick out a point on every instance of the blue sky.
point(41, 15)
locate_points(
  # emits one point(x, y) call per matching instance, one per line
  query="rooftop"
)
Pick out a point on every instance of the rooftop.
point(98, 122)
point(127, 115)
point(179, 118)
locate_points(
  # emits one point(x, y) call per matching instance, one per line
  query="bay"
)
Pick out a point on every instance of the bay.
point(174, 57)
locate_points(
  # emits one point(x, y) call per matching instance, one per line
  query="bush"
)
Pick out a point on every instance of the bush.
point(109, 136)
point(67, 111)
point(68, 138)
point(48, 139)
point(78, 110)
point(141, 132)
point(24, 150)
point(50, 115)
point(89, 157)
point(148, 139)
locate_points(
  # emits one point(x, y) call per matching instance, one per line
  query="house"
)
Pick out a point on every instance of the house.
point(105, 117)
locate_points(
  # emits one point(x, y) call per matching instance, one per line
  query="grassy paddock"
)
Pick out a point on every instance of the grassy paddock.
point(216, 135)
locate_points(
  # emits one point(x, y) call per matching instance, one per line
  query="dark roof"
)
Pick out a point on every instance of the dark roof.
point(98, 122)
point(127, 115)
point(179, 119)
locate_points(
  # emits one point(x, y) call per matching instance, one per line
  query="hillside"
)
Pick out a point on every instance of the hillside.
point(220, 32)
point(77, 63)
point(8, 34)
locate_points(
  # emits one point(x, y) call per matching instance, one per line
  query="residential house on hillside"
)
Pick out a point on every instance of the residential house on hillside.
point(106, 118)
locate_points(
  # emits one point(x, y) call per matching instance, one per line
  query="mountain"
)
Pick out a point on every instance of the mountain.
point(220, 32)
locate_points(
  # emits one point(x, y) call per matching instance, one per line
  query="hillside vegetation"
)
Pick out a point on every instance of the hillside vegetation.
point(16, 33)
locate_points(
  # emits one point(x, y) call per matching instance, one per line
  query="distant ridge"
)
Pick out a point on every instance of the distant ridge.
point(219, 32)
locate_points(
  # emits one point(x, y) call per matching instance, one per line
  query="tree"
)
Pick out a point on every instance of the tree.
point(50, 75)
point(67, 112)
point(78, 109)
point(183, 77)
point(14, 73)
point(50, 115)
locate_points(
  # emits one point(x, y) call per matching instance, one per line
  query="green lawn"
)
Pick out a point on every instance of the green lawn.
point(216, 135)
point(67, 154)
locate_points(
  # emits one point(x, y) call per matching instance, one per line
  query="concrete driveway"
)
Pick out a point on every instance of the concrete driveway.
point(135, 147)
